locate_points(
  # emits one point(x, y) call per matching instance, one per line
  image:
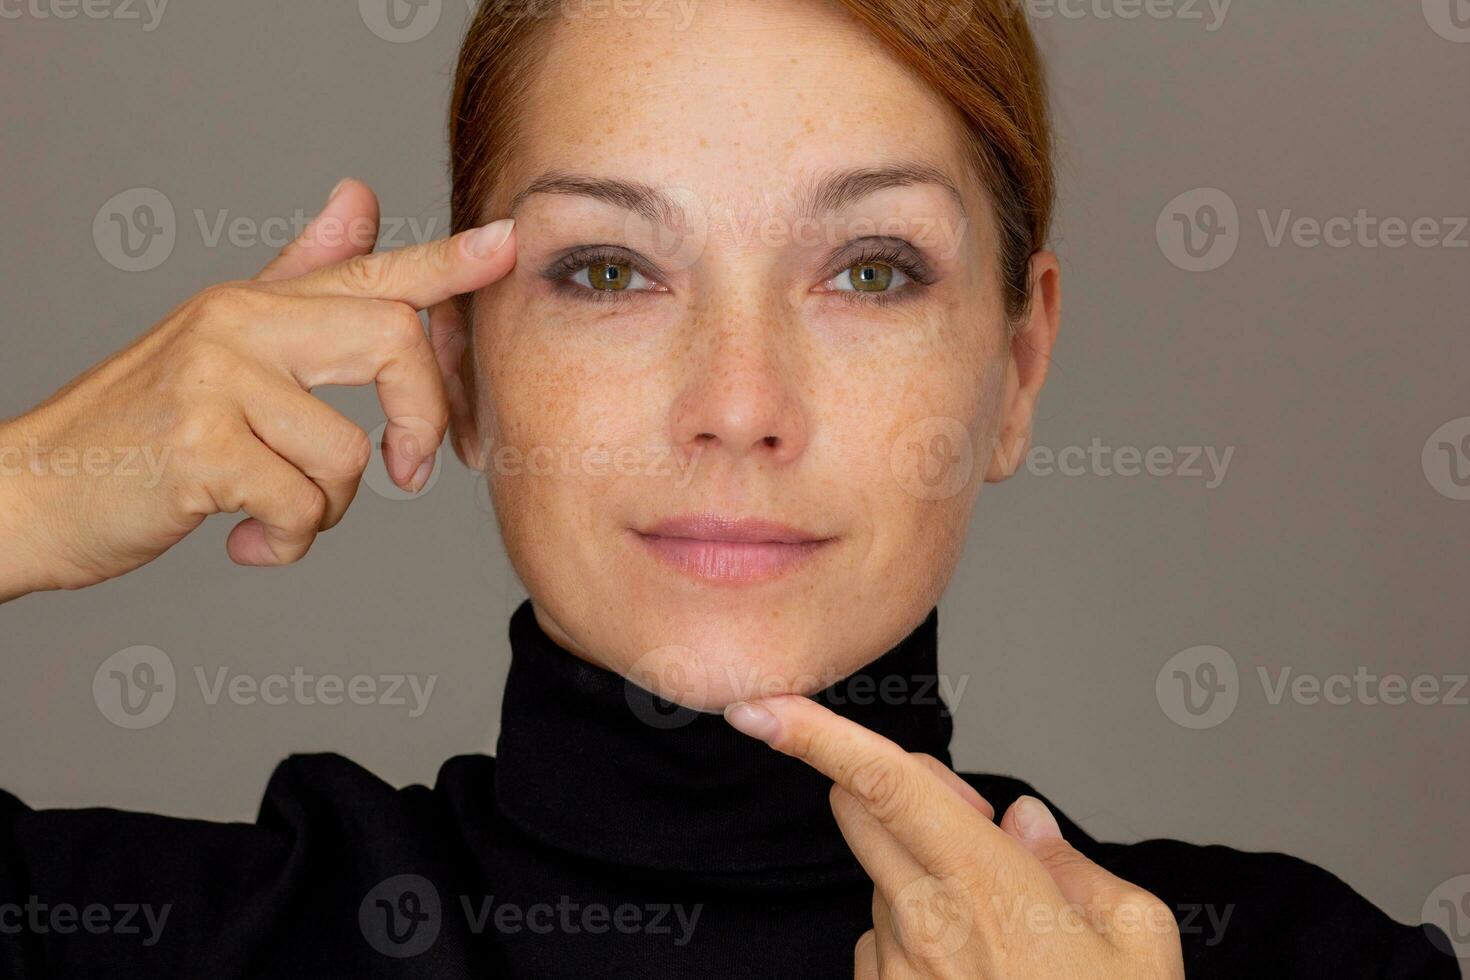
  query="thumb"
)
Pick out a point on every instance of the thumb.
point(449, 339)
point(1031, 823)
point(346, 227)
point(1106, 901)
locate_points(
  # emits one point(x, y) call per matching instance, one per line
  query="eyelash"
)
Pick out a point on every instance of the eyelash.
point(916, 270)
point(560, 272)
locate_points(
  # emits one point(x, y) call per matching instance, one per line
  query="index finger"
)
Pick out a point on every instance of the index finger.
point(938, 827)
point(420, 275)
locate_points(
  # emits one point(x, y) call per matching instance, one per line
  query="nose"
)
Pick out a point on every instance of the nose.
point(740, 394)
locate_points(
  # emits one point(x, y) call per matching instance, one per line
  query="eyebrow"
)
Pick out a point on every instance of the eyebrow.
point(630, 195)
point(834, 191)
point(826, 193)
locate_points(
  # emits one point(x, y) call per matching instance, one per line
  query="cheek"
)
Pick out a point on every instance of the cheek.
point(913, 419)
point(566, 417)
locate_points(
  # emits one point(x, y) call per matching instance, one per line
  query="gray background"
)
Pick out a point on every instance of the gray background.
point(1326, 549)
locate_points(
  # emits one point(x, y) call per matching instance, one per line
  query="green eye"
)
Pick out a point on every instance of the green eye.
point(871, 277)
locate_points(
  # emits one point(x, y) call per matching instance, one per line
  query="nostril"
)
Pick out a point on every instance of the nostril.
point(771, 441)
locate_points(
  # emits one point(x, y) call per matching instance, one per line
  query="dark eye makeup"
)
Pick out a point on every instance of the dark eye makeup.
point(883, 256)
point(879, 260)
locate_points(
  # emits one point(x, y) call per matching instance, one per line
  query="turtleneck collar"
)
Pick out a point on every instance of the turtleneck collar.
point(594, 766)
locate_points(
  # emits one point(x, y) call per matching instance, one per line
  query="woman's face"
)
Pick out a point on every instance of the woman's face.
point(737, 397)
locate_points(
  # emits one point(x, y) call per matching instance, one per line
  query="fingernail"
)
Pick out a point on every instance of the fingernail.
point(1034, 820)
point(483, 242)
point(401, 459)
point(753, 720)
point(337, 190)
point(421, 475)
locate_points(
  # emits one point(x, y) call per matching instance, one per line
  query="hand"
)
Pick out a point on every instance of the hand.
point(954, 895)
point(213, 411)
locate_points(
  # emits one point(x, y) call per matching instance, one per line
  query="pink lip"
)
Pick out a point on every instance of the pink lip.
point(718, 549)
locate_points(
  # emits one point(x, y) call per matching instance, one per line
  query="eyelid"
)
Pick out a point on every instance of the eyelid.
point(889, 251)
point(580, 257)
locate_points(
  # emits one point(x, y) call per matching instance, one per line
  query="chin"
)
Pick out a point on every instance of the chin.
point(720, 657)
point(706, 644)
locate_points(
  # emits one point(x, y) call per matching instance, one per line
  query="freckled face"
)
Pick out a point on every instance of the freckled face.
point(737, 342)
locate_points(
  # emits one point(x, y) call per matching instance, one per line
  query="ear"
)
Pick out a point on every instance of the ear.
point(449, 336)
point(1031, 347)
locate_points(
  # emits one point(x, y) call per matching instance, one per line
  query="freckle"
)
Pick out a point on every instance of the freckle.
point(703, 143)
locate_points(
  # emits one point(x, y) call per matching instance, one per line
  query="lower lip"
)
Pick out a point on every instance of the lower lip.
point(733, 562)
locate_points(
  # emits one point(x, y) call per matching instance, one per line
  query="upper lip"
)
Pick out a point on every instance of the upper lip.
point(714, 527)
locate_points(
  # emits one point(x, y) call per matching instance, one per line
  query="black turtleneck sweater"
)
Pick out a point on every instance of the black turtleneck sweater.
point(613, 836)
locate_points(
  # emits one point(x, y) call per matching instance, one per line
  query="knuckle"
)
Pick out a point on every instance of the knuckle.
point(226, 303)
point(305, 508)
point(443, 256)
point(205, 362)
point(1148, 909)
point(934, 917)
point(402, 329)
point(801, 743)
point(369, 274)
point(356, 450)
point(189, 503)
point(1143, 901)
point(1135, 918)
point(880, 786)
point(202, 432)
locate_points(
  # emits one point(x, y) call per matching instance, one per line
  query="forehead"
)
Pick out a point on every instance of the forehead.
point(739, 101)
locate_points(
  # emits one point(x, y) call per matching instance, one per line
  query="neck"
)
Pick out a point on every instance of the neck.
point(593, 765)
